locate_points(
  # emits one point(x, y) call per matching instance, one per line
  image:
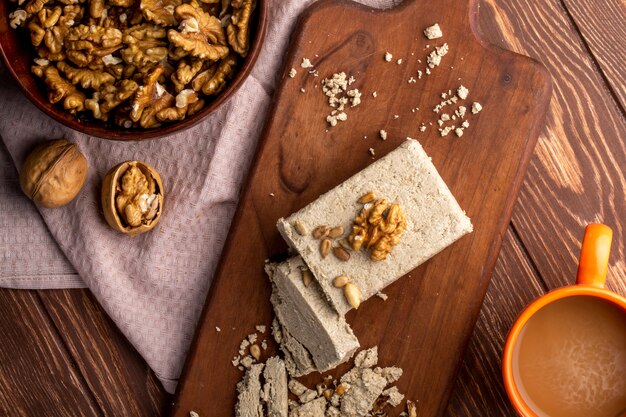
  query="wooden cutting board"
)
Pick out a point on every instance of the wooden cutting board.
point(425, 324)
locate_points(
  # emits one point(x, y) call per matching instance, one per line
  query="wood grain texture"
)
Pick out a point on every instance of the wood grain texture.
point(577, 174)
point(119, 379)
point(37, 375)
point(479, 390)
point(505, 23)
point(604, 33)
point(296, 162)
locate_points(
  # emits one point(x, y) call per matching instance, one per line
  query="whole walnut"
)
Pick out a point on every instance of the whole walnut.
point(53, 173)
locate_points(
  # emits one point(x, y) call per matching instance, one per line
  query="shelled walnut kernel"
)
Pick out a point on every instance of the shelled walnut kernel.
point(378, 226)
point(99, 58)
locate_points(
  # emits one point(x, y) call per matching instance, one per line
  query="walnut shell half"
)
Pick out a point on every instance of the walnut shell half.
point(132, 197)
point(53, 173)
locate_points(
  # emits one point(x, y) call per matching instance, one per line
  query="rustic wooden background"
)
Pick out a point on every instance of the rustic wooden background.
point(60, 355)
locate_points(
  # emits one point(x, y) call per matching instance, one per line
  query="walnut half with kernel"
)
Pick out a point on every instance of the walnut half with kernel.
point(132, 197)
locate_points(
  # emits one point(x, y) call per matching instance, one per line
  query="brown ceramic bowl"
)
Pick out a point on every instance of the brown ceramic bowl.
point(18, 53)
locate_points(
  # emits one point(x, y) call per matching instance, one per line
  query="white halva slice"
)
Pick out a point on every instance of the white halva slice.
point(405, 176)
point(306, 314)
point(298, 360)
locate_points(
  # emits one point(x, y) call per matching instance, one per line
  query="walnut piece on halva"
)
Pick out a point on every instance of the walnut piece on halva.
point(379, 227)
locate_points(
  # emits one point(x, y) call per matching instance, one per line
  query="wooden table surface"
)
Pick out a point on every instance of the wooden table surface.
point(60, 355)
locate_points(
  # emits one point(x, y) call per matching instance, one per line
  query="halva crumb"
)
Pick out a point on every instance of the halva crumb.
point(306, 63)
point(462, 92)
point(476, 108)
point(434, 58)
point(383, 134)
point(336, 89)
point(292, 72)
point(388, 57)
point(433, 32)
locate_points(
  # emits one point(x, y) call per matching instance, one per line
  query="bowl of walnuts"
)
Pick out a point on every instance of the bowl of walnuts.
point(130, 69)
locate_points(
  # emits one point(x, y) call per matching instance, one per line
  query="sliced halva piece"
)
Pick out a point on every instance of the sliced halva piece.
point(307, 315)
point(315, 408)
point(249, 402)
point(275, 393)
point(405, 176)
point(298, 360)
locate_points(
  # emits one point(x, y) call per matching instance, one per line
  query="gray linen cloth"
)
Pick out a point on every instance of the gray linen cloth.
point(153, 286)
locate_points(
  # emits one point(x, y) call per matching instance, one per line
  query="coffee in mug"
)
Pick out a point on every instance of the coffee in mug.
point(565, 355)
point(570, 359)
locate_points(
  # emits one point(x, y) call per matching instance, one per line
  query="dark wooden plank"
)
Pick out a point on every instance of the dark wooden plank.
point(119, 379)
point(297, 162)
point(577, 173)
point(479, 390)
point(601, 24)
point(37, 375)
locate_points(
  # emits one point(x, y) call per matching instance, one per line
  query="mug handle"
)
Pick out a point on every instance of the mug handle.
point(594, 255)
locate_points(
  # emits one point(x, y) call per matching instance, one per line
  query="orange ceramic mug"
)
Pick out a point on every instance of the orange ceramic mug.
point(590, 282)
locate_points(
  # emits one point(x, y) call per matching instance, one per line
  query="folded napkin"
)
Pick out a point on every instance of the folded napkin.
point(154, 285)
